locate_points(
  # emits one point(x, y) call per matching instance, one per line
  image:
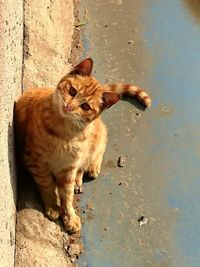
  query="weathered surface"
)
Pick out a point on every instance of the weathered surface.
point(11, 40)
point(48, 38)
point(47, 48)
point(40, 242)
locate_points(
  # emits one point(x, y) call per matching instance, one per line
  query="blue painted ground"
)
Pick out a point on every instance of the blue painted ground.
point(162, 147)
point(176, 33)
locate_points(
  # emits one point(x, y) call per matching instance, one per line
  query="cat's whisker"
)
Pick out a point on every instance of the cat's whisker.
point(78, 121)
point(60, 97)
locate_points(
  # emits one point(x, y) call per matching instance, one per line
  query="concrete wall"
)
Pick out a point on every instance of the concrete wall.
point(48, 38)
point(11, 54)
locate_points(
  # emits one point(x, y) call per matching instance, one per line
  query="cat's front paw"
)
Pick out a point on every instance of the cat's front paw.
point(72, 223)
point(52, 213)
point(94, 171)
point(78, 189)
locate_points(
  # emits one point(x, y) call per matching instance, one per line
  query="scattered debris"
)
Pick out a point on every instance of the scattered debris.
point(166, 110)
point(121, 161)
point(80, 24)
point(123, 183)
point(73, 250)
point(90, 206)
point(138, 114)
point(142, 221)
point(130, 42)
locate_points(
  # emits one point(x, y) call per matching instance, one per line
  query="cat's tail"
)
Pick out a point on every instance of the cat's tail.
point(129, 90)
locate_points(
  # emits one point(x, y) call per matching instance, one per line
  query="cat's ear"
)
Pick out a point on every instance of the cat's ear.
point(109, 99)
point(84, 68)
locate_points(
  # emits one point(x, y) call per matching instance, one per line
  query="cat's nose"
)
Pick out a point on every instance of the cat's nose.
point(67, 108)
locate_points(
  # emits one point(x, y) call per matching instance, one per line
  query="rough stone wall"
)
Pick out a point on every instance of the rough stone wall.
point(11, 56)
point(48, 39)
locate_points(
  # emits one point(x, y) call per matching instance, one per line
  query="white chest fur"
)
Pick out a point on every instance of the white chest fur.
point(65, 155)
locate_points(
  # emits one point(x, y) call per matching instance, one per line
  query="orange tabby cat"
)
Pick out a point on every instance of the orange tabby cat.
point(61, 135)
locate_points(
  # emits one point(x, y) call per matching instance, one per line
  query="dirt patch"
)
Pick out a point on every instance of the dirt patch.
point(39, 241)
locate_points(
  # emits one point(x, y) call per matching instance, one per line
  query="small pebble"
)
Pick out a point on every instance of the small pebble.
point(130, 42)
point(90, 206)
point(121, 161)
point(142, 221)
point(165, 110)
point(74, 250)
point(138, 114)
point(123, 183)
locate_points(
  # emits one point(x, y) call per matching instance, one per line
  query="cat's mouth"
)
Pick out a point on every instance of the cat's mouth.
point(67, 110)
point(66, 113)
point(75, 119)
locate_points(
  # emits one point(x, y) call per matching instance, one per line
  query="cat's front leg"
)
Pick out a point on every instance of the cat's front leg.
point(66, 180)
point(96, 160)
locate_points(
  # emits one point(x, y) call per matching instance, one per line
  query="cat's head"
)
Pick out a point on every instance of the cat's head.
point(80, 96)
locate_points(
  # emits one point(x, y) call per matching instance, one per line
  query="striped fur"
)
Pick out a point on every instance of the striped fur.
point(60, 136)
point(129, 90)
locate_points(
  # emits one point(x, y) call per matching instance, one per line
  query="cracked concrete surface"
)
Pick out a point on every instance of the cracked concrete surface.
point(11, 40)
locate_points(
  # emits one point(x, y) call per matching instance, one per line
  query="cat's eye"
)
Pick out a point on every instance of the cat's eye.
point(72, 91)
point(85, 106)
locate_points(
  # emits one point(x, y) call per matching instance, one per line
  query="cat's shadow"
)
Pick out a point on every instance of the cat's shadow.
point(87, 179)
point(28, 195)
point(134, 102)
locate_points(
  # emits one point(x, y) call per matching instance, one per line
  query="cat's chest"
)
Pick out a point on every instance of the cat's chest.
point(65, 154)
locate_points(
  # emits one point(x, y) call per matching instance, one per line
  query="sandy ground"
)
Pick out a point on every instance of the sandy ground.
point(51, 45)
